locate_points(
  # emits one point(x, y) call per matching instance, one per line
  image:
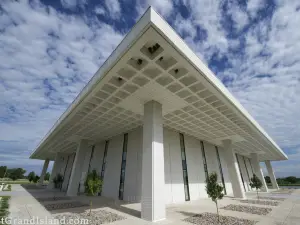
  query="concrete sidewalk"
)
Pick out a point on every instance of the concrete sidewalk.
point(24, 204)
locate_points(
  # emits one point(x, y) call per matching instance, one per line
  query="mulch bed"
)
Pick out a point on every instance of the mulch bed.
point(64, 205)
point(212, 219)
point(260, 202)
point(96, 217)
point(48, 199)
point(273, 198)
point(248, 209)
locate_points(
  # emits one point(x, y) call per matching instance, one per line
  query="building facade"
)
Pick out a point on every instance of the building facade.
point(154, 121)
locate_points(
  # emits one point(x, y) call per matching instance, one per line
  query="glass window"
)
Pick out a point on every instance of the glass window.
point(184, 168)
point(103, 164)
point(204, 160)
point(123, 167)
point(237, 159)
point(221, 170)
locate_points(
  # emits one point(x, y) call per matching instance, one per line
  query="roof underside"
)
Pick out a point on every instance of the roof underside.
point(194, 100)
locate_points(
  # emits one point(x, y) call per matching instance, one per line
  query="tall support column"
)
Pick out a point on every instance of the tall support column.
point(271, 174)
point(258, 171)
point(153, 175)
point(44, 170)
point(233, 170)
point(76, 169)
point(54, 171)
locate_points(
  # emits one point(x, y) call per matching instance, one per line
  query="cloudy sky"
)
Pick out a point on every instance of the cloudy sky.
point(50, 49)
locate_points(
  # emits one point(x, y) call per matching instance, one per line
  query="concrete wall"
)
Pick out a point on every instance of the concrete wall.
point(174, 185)
point(133, 172)
point(113, 167)
point(227, 181)
point(195, 168)
point(244, 172)
point(68, 171)
point(174, 189)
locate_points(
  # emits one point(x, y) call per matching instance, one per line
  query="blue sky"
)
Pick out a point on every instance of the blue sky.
point(50, 49)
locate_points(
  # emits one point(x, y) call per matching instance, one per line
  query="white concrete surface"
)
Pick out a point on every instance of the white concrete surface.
point(77, 168)
point(271, 174)
point(44, 171)
point(258, 171)
point(113, 167)
point(233, 169)
point(153, 175)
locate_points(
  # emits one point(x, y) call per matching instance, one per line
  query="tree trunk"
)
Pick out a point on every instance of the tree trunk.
point(217, 210)
point(90, 207)
point(257, 194)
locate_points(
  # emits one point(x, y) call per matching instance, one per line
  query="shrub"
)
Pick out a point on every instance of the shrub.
point(214, 190)
point(93, 185)
point(256, 183)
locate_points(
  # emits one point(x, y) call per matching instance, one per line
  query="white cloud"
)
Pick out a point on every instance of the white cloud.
point(114, 8)
point(99, 10)
point(254, 5)
point(71, 4)
point(163, 7)
point(46, 59)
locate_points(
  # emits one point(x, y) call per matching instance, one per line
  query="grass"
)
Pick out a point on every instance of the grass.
point(4, 204)
point(8, 188)
point(21, 181)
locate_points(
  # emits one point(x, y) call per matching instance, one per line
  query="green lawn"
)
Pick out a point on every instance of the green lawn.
point(21, 181)
point(4, 204)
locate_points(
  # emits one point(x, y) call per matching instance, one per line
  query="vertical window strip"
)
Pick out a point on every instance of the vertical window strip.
point(65, 172)
point(92, 154)
point(103, 165)
point(204, 160)
point(184, 168)
point(221, 170)
point(237, 159)
point(251, 165)
point(71, 170)
point(246, 170)
point(123, 167)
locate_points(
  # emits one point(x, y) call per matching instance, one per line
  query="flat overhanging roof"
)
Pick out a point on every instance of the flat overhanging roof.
point(153, 63)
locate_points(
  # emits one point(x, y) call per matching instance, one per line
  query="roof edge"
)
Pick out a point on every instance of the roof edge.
point(184, 49)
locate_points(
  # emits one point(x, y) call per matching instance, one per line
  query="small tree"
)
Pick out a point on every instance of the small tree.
point(93, 185)
point(58, 180)
point(36, 179)
point(47, 176)
point(31, 176)
point(214, 190)
point(256, 183)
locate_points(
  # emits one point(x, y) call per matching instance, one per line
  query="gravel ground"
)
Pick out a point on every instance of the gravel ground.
point(248, 209)
point(212, 219)
point(272, 198)
point(48, 199)
point(96, 217)
point(64, 205)
point(260, 202)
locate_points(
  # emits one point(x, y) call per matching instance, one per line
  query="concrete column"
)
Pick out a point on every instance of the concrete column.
point(271, 174)
point(54, 171)
point(44, 170)
point(258, 171)
point(233, 170)
point(153, 175)
point(76, 169)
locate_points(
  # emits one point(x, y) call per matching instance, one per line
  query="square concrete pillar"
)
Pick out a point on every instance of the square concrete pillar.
point(77, 167)
point(44, 171)
point(54, 171)
point(233, 170)
point(271, 174)
point(153, 175)
point(258, 171)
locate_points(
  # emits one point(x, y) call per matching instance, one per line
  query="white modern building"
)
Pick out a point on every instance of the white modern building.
point(154, 121)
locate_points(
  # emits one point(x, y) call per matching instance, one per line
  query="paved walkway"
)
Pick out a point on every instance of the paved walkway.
point(24, 204)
